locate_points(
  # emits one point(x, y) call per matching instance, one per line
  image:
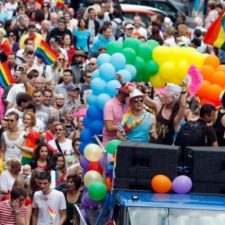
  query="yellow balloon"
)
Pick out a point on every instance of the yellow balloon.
point(167, 70)
point(93, 152)
point(161, 54)
point(157, 82)
point(182, 69)
point(92, 176)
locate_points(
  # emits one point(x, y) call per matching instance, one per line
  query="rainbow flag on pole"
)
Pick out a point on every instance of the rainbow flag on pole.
point(60, 3)
point(6, 77)
point(44, 51)
point(52, 214)
point(216, 33)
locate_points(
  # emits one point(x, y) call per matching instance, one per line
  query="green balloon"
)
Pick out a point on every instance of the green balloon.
point(131, 43)
point(140, 67)
point(97, 191)
point(114, 47)
point(145, 52)
point(112, 146)
point(151, 69)
point(152, 43)
point(129, 54)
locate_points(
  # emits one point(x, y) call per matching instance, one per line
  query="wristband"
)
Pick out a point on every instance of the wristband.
point(17, 212)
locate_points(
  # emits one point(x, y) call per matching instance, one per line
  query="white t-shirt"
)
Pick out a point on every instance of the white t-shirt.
point(10, 8)
point(6, 181)
point(52, 202)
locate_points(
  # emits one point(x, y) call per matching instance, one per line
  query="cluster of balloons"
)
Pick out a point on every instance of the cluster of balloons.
point(137, 54)
point(162, 184)
point(213, 80)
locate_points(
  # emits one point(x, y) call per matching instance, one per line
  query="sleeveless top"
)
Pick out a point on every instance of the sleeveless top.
point(11, 150)
point(219, 128)
point(165, 129)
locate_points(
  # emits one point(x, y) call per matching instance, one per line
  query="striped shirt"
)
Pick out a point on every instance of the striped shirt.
point(7, 215)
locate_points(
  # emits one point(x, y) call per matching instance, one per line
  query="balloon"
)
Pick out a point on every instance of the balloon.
point(97, 191)
point(84, 163)
point(125, 75)
point(213, 92)
point(108, 183)
point(132, 70)
point(91, 99)
point(221, 68)
point(92, 176)
point(102, 99)
point(86, 122)
point(129, 54)
point(161, 54)
point(118, 60)
point(212, 60)
point(203, 89)
point(93, 152)
point(94, 113)
point(131, 43)
point(140, 66)
point(207, 72)
point(151, 68)
point(107, 72)
point(87, 202)
point(113, 47)
point(103, 58)
point(95, 74)
point(157, 82)
point(96, 127)
point(111, 87)
point(182, 184)
point(96, 167)
point(85, 135)
point(219, 78)
point(161, 184)
point(82, 147)
point(152, 43)
point(145, 51)
point(167, 70)
point(109, 158)
point(181, 69)
point(112, 146)
point(97, 85)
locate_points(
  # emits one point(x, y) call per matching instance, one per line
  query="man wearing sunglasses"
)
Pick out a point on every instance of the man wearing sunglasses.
point(137, 123)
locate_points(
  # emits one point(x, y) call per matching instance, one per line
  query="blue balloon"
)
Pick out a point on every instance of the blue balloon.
point(103, 58)
point(97, 85)
point(125, 74)
point(96, 127)
point(85, 135)
point(118, 60)
point(86, 121)
point(95, 74)
point(102, 99)
point(132, 70)
point(107, 71)
point(91, 99)
point(94, 113)
point(111, 86)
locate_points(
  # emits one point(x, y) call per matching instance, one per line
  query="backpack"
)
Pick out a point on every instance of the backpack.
point(119, 28)
point(193, 133)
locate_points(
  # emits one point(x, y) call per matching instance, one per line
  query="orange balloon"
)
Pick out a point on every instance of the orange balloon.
point(213, 93)
point(221, 68)
point(161, 184)
point(108, 183)
point(207, 72)
point(219, 78)
point(212, 60)
point(203, 89)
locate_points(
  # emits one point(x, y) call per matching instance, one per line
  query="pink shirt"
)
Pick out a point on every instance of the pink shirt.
point(113, 111)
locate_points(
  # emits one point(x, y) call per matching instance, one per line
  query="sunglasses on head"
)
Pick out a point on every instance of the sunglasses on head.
point(137, 100)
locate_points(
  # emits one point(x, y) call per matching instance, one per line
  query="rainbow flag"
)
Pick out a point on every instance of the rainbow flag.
point(216, 33)
point(6, 77)
point(60, 3)
point(52, 213)
point(44, 51)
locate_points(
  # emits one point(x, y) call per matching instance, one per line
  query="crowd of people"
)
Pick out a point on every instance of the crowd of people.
point(42, 112)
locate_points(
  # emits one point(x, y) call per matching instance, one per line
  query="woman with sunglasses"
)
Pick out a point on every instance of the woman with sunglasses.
point(137, 123)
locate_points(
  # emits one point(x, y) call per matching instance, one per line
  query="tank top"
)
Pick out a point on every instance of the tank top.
point(11, 150)
point(219, 128)
point(165, 129)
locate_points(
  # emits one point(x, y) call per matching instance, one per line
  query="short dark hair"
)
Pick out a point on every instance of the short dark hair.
point(17, 192)
point(206, 109)
point(45, 175)
point(76, 179)
point(37, 91)
point(22, 97)
point(68, 70)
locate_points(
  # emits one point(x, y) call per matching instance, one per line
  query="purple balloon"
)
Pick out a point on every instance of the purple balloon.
point(182, 184)
point(84, 214)
point(109, 158)
point(84, 163)
point(87, 202)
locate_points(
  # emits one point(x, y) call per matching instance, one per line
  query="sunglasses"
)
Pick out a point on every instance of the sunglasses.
point(91, 64)
point(11, 121)
point(5, 119)
point(60, 59)
point(88, 77)
point(137, 100)
point(58, 129)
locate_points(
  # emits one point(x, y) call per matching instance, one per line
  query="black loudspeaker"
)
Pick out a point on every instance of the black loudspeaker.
point(207, 163)
point(137, 163)
point(208, 188)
